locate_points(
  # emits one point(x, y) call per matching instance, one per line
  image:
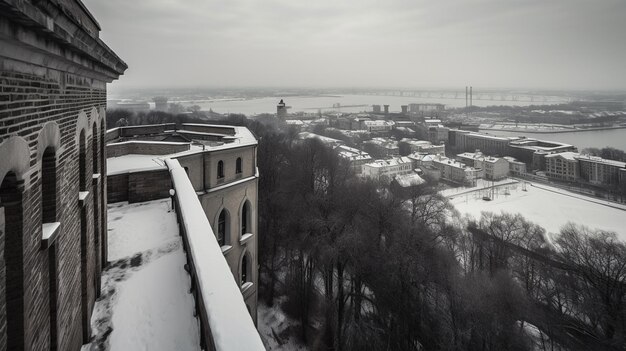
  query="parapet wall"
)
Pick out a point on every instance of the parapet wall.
point(138, 186)
point(145, 148)
point(225, 323)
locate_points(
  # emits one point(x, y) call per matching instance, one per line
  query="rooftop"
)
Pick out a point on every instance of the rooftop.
point(145, 303)
point(570, 156)
point(390, 162)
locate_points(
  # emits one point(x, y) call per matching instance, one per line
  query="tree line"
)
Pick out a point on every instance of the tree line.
point(363, 268)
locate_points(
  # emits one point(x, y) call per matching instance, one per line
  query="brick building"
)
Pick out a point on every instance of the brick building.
point(53, 75)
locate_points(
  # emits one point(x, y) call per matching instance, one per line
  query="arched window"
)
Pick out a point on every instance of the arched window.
point(82, 174)
point(244, 269)
point(221, 228)
point(220, 169)
point(245, 218)
point(82, 162)
point(238, 166)
point(11, 216)
point(49, 215)
point(48, 186)
point(94, 149)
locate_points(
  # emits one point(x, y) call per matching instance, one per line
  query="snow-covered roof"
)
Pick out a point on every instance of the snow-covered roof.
point(229, 320)
point(407, 180)
point(390, 162)
point(605, 161)
point(570, 156)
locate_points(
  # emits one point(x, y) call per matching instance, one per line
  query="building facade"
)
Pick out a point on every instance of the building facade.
point(53, 74)
point(220, 163)
point(562, 166)
point(386, 170)
point(599, 171)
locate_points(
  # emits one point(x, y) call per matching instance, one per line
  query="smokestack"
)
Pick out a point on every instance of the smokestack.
point(471, 97)
point(386, 109)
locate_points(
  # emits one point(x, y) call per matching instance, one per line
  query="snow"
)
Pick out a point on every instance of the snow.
point(145, 304)
point(245, 237)
point(133, 162)
point(547, 206)
point(135, 228)
point(274, 328)
point(49, 229)
point(229, 320)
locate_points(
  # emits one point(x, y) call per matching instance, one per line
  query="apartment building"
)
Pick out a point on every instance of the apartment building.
point(562, 166)
point(600, 171)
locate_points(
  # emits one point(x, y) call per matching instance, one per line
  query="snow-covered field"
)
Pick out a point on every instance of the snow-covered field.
point(547, 206)
point(145, 304)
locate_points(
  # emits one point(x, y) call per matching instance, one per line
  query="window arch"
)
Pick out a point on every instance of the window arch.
point(223, 232)
point(238, 166)
point(220, 169)
point(246, 218)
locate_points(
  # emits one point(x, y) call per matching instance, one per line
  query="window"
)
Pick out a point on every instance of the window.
point(238, 166)
point(48, 186)
point(82, 163)
point(11, 217)
point(49, 215)
point(220, 169)
point(244, 269)
point(221, 228)
point(94, 148)
point(245, 218)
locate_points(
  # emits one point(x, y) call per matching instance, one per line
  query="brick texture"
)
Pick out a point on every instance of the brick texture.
point(26, 103)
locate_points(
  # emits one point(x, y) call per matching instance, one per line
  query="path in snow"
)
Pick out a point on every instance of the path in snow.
point(145, 304)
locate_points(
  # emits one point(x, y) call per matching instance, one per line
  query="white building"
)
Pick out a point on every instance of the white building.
point(423, 146)
point(388, 169)
point(455, 171)
point(378, 126)
point(515, 167)
point(355, 157)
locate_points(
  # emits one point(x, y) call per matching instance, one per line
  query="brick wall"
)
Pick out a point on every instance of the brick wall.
point(139, 186)
point(26, 104)
point(53, 75)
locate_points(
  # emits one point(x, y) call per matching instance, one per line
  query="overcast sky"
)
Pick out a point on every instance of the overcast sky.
point(558, 44)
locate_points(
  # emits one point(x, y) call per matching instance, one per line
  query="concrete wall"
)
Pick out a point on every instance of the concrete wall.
point(145, 148)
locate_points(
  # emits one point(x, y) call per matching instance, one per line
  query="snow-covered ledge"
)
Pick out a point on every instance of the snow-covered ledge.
point(223, 313)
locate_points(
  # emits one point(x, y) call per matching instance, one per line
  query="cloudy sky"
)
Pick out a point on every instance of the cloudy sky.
point(555, 44)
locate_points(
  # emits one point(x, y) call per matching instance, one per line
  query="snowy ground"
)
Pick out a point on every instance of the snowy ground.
point(273, 328)
point(547, 206)
point(145, 304)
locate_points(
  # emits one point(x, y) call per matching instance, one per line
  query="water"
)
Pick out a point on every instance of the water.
point(325, 103)
point(615, 138)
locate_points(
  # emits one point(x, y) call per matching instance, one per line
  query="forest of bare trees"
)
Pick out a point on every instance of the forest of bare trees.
point(360, 268)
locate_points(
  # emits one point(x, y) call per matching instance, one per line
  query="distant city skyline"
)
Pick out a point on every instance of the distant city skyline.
point(568, 45)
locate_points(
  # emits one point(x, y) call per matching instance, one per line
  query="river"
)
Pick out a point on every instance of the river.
point(615, 138)
point(325, 103)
